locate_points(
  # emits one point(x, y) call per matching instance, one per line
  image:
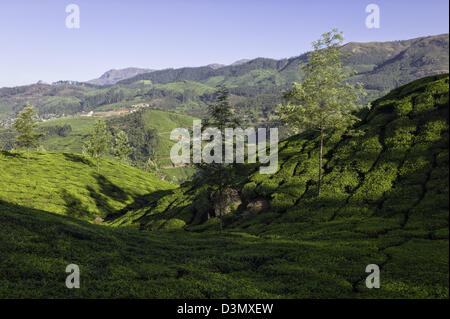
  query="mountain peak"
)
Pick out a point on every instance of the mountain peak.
point(239, 62)
point(115, 75)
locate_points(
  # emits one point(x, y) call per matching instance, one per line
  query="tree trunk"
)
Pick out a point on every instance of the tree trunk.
point(320, 163)
point(220, 210)
point(220, 222)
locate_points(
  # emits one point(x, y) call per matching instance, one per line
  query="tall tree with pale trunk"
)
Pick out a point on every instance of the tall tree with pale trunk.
point(325, 99)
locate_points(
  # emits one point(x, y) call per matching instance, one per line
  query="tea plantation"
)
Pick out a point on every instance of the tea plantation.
point(384, 201)
point(386, 187)
point(69, 184)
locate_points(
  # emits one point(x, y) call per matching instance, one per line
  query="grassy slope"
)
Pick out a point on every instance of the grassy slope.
point(73, 142)
point(162, 121)
point(315, 248)
point(69, 184)
point(386, 190)
point(36, 246)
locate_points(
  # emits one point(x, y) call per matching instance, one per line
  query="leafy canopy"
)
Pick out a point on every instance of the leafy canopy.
point(122, 149)
point(97, 144)
point(26, 124)
point(324, 99)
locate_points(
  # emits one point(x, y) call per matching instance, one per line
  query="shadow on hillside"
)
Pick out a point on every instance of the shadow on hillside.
point(37, 220)
point(109, 188)
point(139, 202)
point(78, 159)
point(11, 154)
point(74, 205)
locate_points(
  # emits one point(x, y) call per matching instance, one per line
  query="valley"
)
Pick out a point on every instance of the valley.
point(385, 202)
point(358, 180)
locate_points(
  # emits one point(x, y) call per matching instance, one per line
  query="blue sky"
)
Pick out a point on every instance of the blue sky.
point(36, 45)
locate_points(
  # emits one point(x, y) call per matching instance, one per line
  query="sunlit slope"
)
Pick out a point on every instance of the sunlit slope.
point(69, 184)
point(162, 122)
point(392, 176)
point(73, 142)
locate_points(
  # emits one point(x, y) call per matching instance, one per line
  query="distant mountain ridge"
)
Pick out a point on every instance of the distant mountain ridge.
point(413, 58)
point(255, 85)
point(113, 76)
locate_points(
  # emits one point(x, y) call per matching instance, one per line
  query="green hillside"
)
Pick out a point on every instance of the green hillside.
point(404, 134)
point(386, 191)
point(73, 141)
point(149, 134)
point(385, 202)
point(162, 122)
point(36, 247)
point(148, 131)
point(68, 184)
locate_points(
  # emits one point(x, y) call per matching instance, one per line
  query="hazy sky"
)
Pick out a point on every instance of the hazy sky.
point(37, 45)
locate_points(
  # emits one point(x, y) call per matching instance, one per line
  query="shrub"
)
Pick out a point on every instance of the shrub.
point(403, 106)
point(173, 223)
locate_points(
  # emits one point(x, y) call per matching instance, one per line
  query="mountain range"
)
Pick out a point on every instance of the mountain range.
point(113, 76)
point(411, 58)
point(255, 85)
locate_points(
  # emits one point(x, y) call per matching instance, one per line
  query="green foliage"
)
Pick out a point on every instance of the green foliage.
point(98, 142)
point(127, 263)
point(122, 148)
point(324, 100)
point(173, 223)
point(25, 125)
point(57, 130)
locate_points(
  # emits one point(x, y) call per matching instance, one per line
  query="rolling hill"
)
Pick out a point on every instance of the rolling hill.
point(387, 189)
point(404, 134)
point(68, 184)
point(148, 131)
point(396, 62)
point(384, 202)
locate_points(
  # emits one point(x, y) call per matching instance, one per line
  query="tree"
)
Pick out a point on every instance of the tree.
point(122, 148)
point(25, 125)
point(324, 100)
point(98, 142)
point(221, 116)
